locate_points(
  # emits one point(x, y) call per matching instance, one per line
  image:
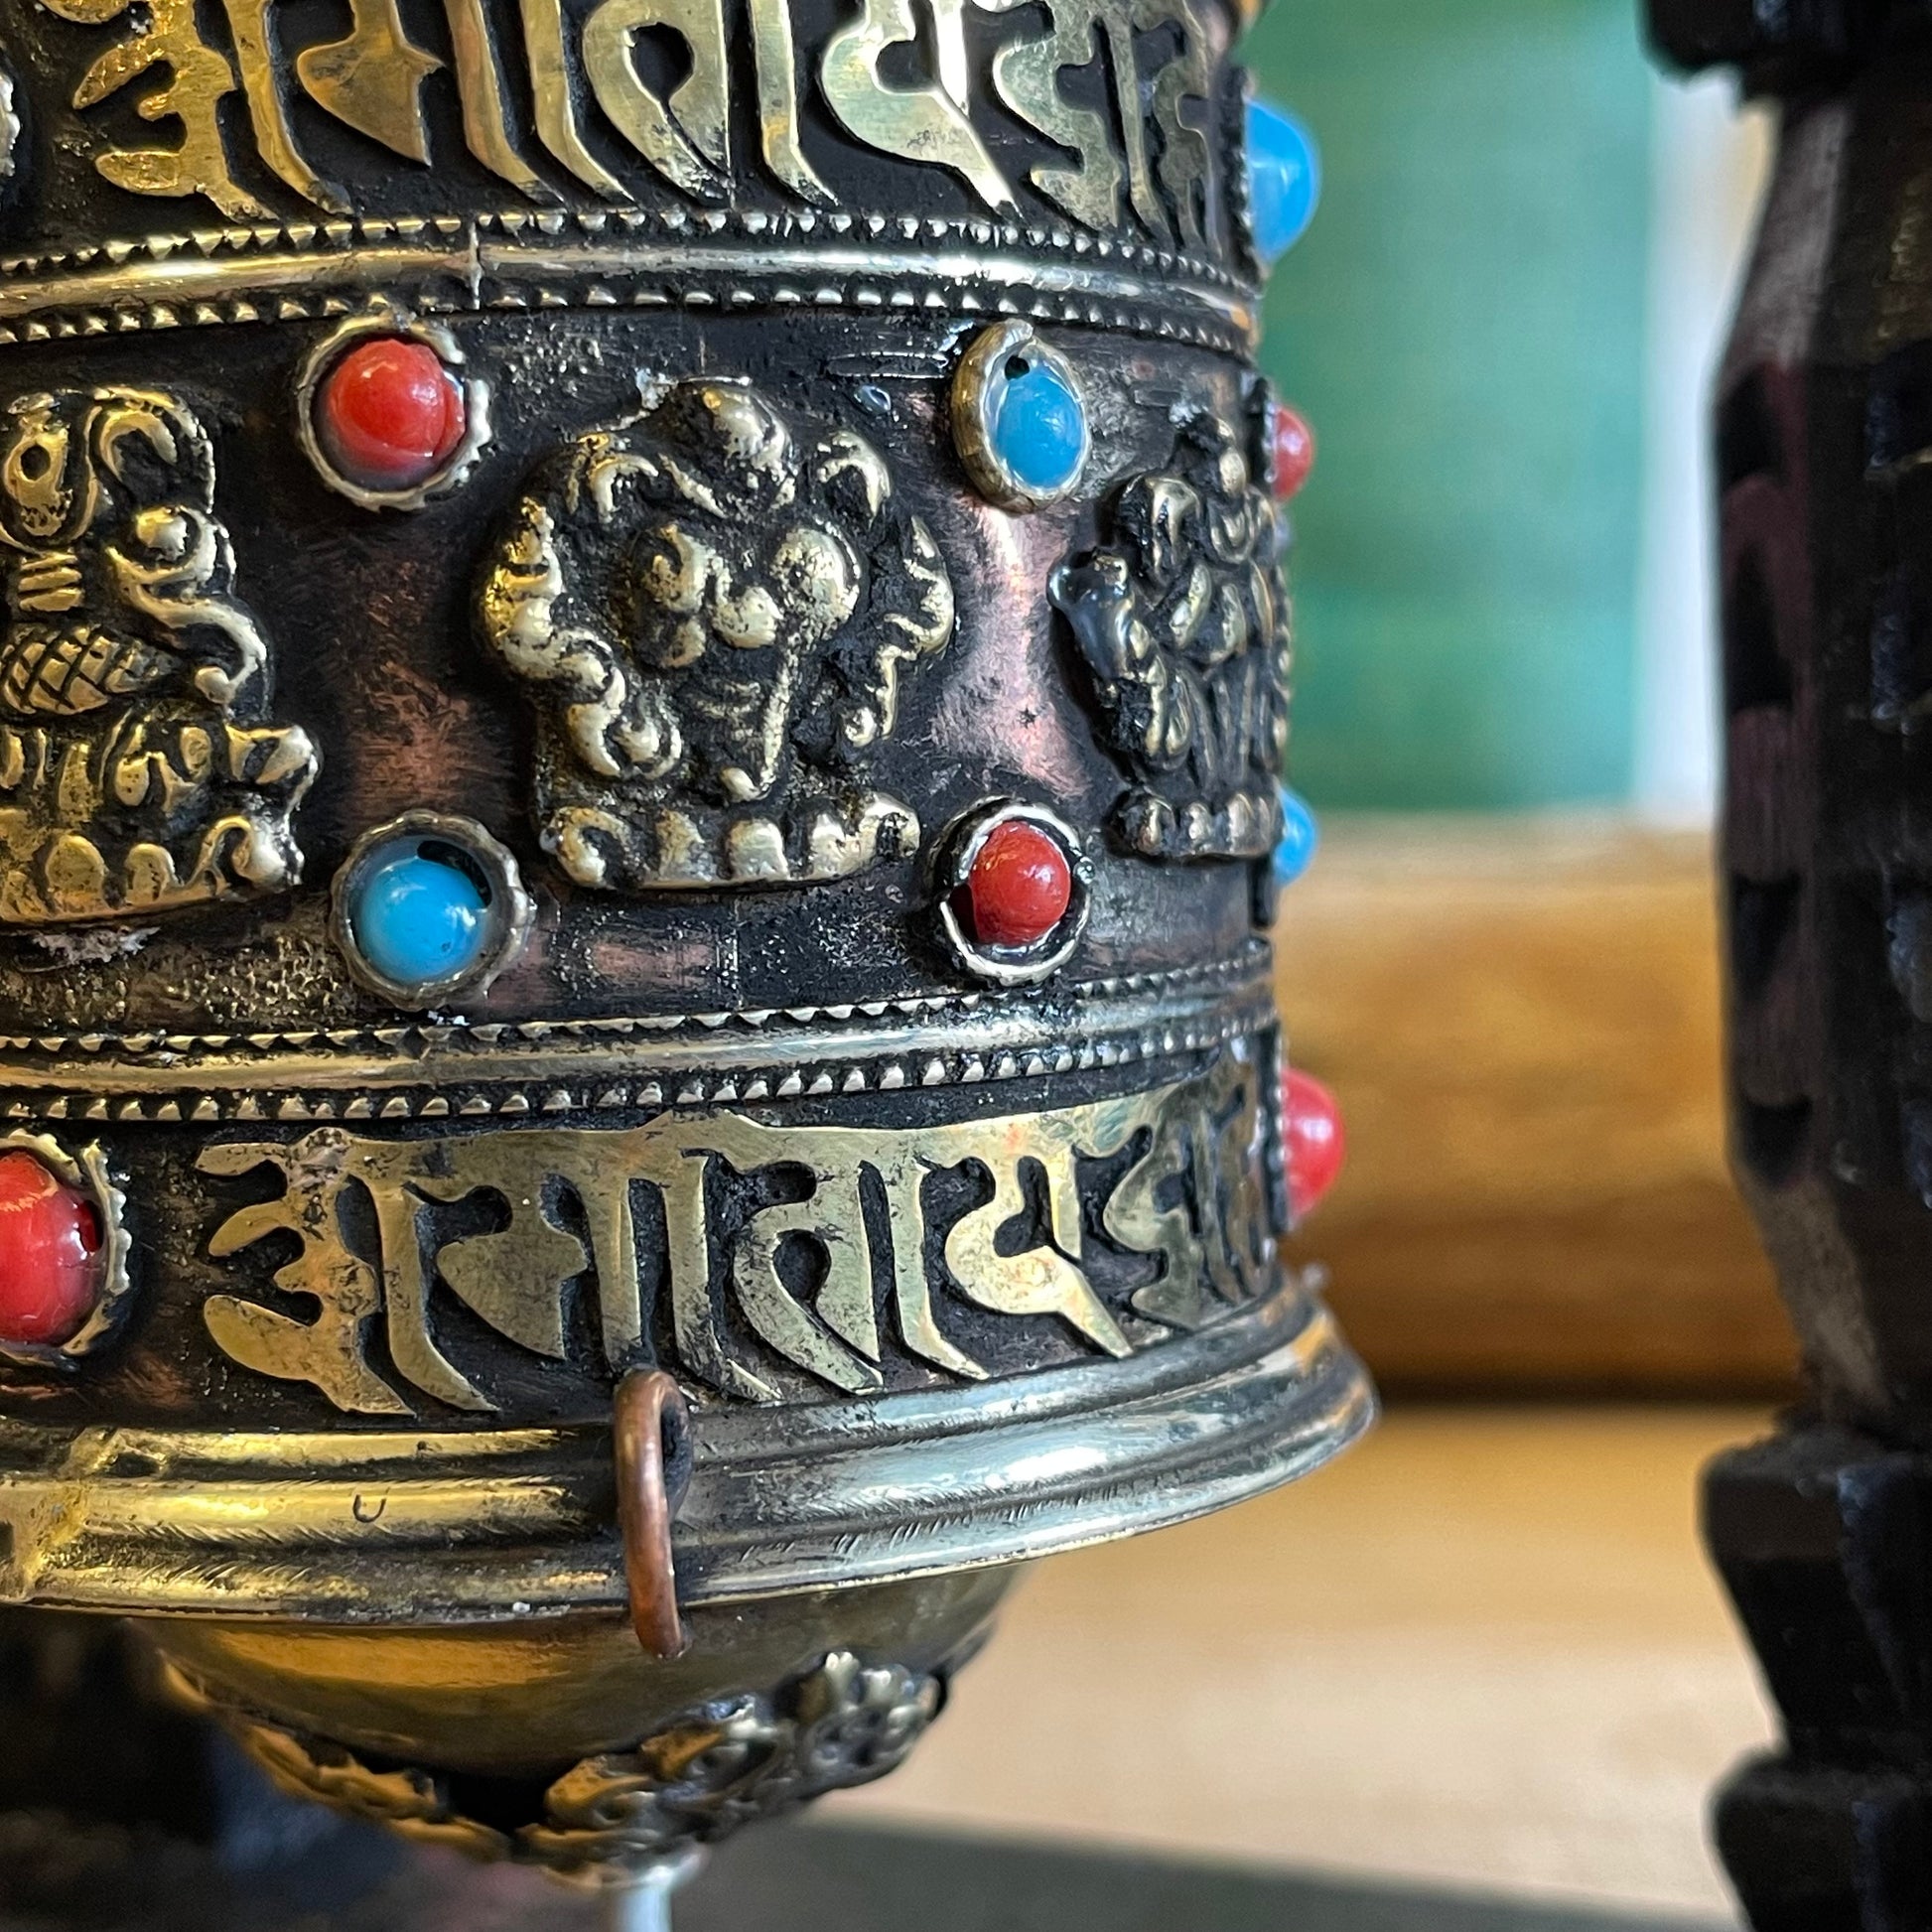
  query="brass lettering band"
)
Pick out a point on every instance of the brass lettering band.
point(474, 153)
point(1148, 145)
point(755, 1238)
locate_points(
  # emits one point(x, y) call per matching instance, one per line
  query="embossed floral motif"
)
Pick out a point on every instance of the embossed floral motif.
point(722, 1765)
point(135, 772)
point(717, 605)
point(1182, 629)
point(735, 1763)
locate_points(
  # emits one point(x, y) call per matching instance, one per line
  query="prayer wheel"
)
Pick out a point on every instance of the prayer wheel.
point(642, 706)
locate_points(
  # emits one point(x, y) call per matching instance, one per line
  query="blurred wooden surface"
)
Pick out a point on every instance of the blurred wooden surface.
point(1521, 1021)
point(1482, 1650)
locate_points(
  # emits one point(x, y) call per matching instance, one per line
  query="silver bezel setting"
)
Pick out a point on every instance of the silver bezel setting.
point(87, 1172)
point(510, 908)
point(1011, 965)
point(974, 387)
point(379, 321)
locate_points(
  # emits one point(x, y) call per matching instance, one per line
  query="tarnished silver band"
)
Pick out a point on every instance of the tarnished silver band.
point(349, 1527)
point(715, 260)
point(690, 1060)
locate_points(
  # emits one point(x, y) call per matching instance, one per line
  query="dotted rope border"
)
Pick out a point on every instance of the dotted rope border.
point(480, 268)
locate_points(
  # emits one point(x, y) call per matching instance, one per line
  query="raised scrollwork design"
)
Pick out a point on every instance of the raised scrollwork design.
point(722, 1765)
point(1182, 624)
point(413, 1803)
point(716, 606)
point(734, 1762)
point(136, 772)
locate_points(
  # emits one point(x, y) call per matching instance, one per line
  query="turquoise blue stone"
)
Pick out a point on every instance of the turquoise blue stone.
point(1296, 852)
point(418, 919)
point(1284, 179)
point(1038, 428)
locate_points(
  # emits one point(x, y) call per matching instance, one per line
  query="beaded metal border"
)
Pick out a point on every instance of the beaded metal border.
point(600, 258)
point(624, 1064)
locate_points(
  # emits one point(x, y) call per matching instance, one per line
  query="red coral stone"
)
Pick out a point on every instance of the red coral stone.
point(1020, 886)
point(390, 414)
point(1291, 452)
point(50, 1254)
point(1316, 1144)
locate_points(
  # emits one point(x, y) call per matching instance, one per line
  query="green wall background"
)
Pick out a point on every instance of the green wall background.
point(1463, 326)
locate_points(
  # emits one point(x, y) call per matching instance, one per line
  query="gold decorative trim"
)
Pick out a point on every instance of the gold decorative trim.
point(275, 1095)
point(414, 1804)
point(421, 234)
point(1251, 965)
point(684, 1060)
point(490, 1525)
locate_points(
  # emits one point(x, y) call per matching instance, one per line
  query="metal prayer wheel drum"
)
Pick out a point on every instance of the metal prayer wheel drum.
point(640, 719)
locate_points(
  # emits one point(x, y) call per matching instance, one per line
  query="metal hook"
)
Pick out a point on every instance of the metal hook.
point(652, 1429)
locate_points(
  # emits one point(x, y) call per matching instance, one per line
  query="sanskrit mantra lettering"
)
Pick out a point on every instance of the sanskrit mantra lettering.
point(1148, 62)
point(700, 1214)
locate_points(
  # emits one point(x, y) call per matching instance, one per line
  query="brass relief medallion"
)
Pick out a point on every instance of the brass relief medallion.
point(1182, 624)
point(136, 772)
point(716, 606)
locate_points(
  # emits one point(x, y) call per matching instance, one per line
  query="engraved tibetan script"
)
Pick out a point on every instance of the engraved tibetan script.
point(700, 1214)
point(1128, 140)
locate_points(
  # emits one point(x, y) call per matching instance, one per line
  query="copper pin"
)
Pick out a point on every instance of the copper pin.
point(648, 1408)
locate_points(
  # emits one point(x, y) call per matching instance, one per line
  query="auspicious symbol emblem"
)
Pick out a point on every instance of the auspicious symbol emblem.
point(1182, 625)
point(134, 771)
point(717, 606)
